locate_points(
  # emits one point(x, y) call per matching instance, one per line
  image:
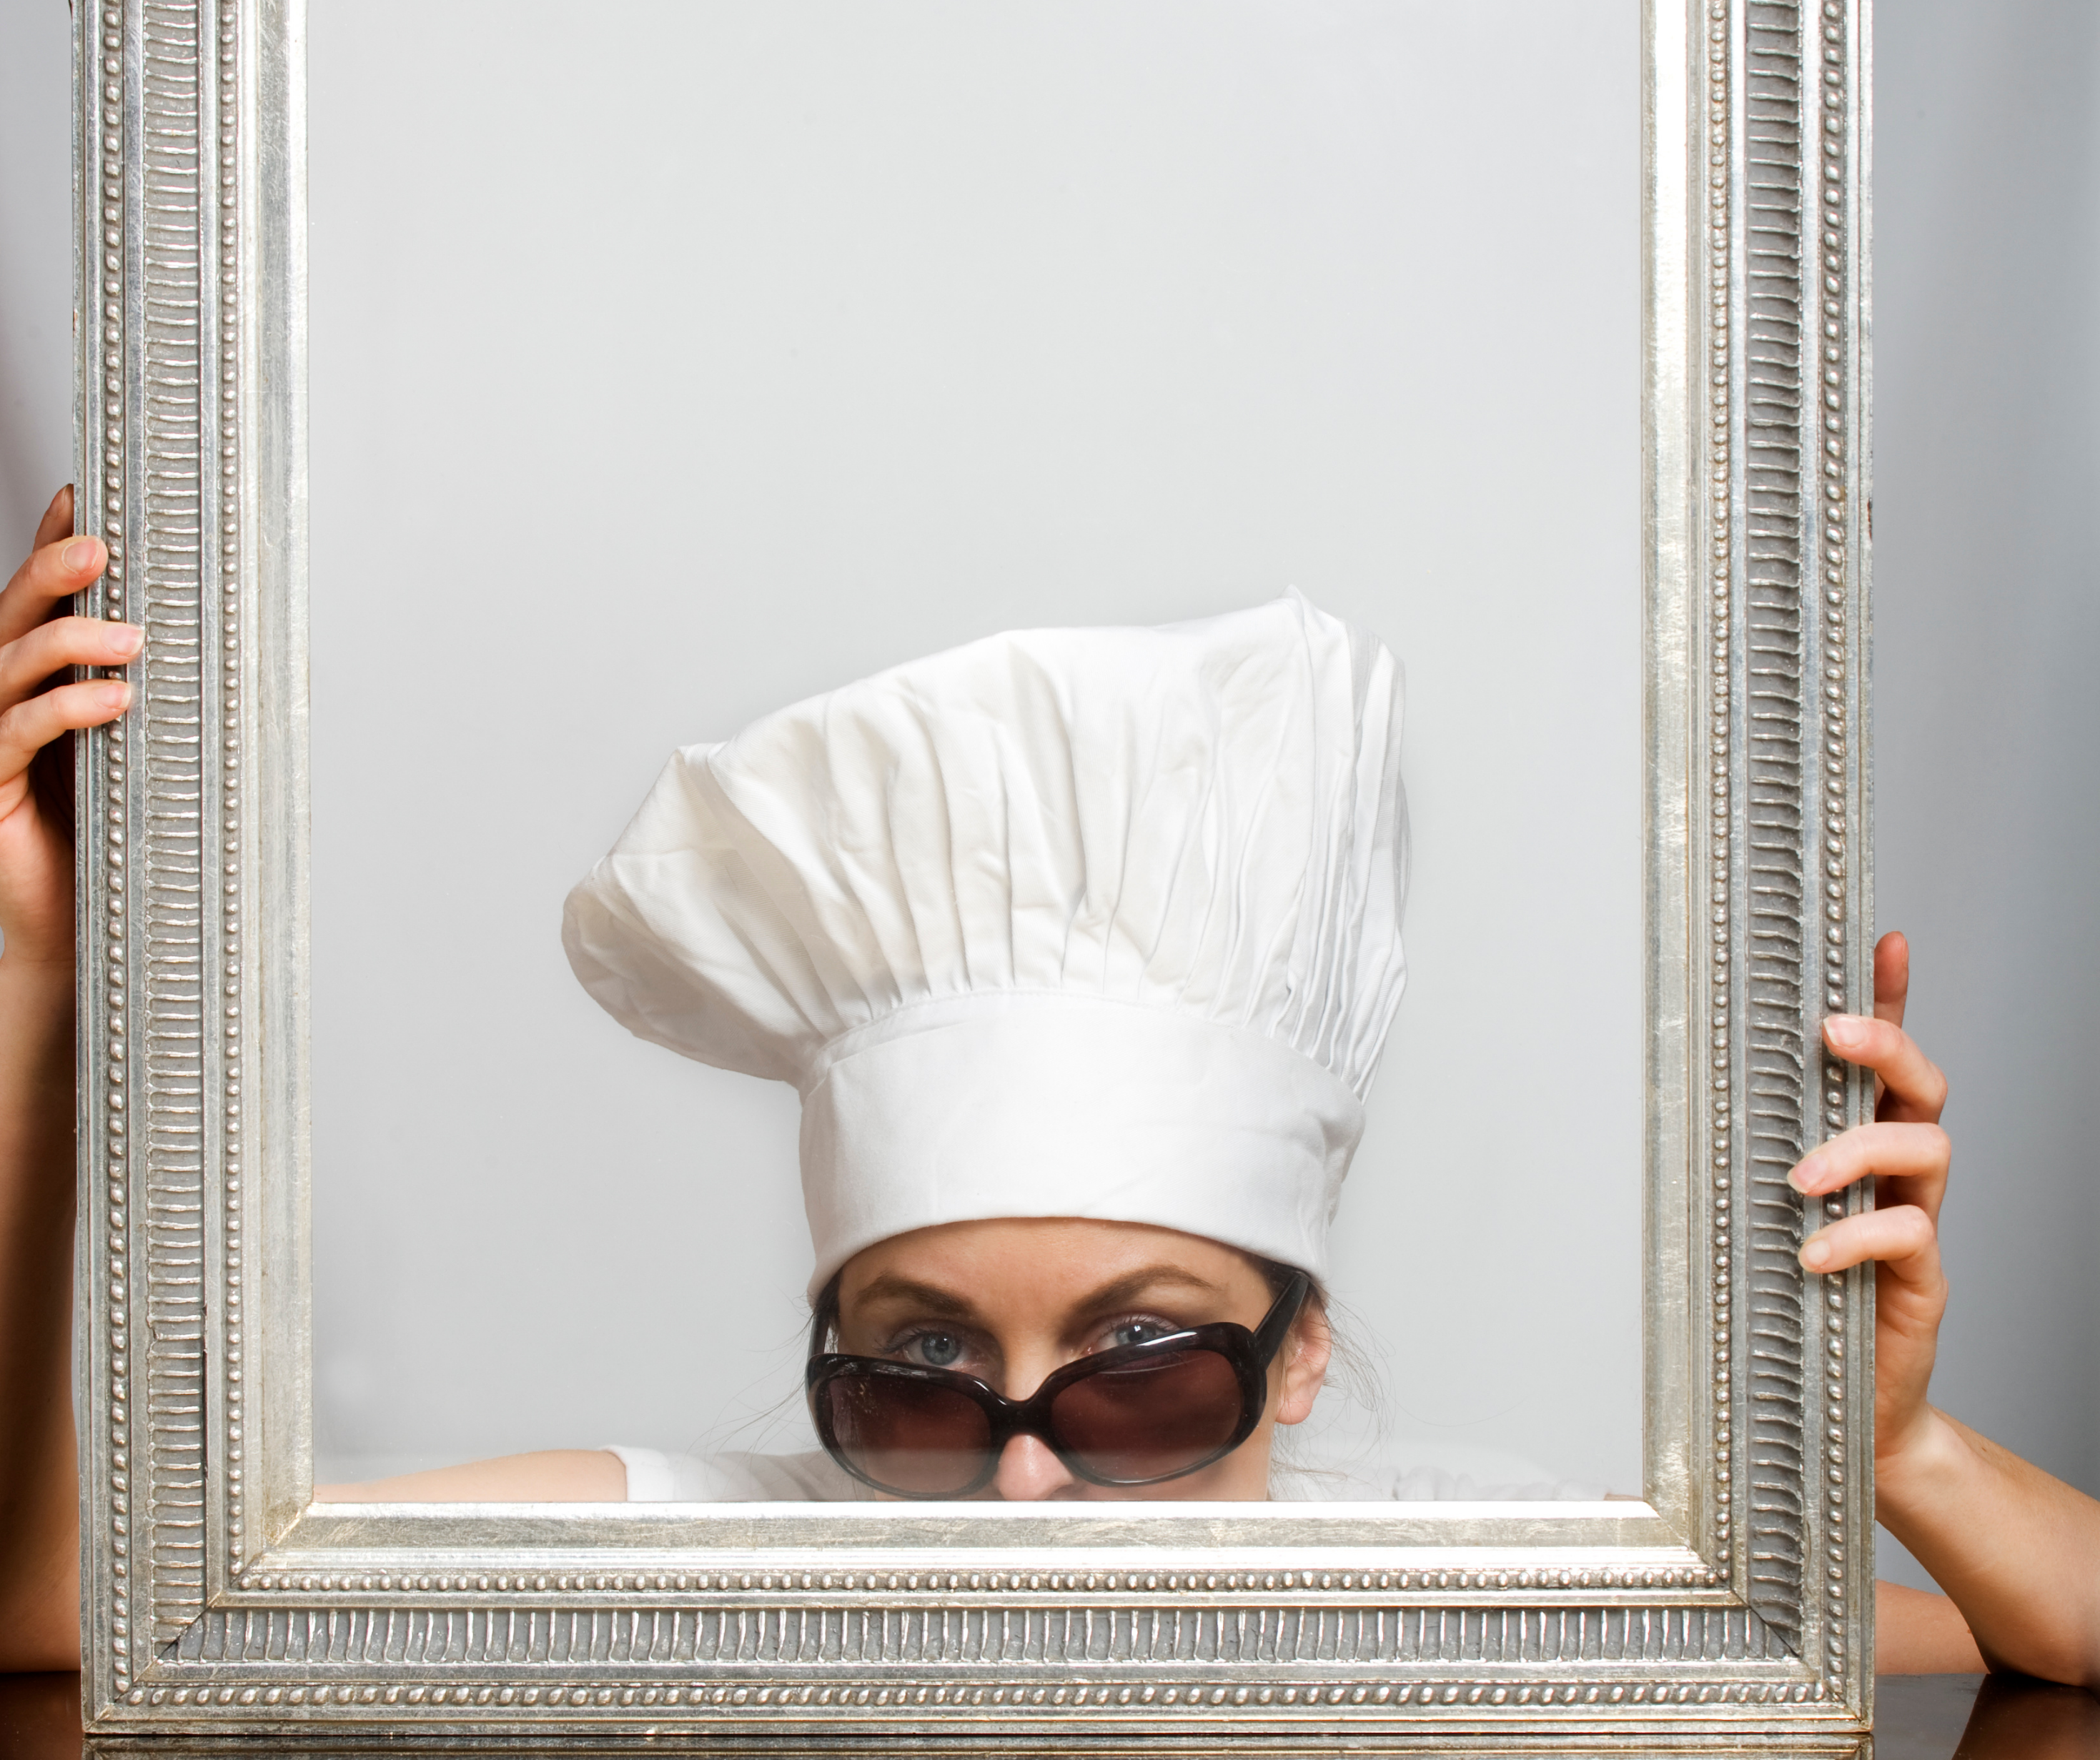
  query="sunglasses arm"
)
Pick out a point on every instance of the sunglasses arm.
point(1276, 1324)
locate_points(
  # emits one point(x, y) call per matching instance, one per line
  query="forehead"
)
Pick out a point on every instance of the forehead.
point(1029, 1262)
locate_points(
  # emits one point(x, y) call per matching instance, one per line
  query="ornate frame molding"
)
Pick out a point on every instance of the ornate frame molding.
point(1733, 1608)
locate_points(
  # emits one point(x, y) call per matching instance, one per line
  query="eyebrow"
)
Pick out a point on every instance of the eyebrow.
point(1128, 1289)
point(889, 1287)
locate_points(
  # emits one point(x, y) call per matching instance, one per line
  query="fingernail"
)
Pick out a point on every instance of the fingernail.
point(127, 638)
point(117, 694)
point(1845, 1030)
point(1809, 1175)
point(82, 552)
point(1815, 1254)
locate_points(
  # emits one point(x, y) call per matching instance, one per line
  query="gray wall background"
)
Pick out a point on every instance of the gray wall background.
point(829, 334)
point(1988, 365)
point(1987, 722)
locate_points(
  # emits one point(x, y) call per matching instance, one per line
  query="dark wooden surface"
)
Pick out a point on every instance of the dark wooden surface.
point(1923, 1716)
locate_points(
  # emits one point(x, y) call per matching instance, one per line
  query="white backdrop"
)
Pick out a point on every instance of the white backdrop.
point(673, 363)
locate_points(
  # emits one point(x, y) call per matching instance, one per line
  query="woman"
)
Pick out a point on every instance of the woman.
point(932, 1278)
point(1079, 947)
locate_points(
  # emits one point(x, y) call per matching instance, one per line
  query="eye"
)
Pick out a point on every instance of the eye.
point(1138, 1330)
point(936, 1350)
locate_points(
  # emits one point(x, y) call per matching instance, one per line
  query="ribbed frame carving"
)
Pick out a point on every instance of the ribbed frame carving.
point(1777, 833)
point(170, 869)
point(1786, 708)
point(998, 1635)
point(152, 81)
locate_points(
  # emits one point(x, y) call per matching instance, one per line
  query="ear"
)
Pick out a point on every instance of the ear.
point(1306, 1355)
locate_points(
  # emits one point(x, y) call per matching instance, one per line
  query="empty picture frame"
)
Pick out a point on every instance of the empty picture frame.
point(1731, 1605)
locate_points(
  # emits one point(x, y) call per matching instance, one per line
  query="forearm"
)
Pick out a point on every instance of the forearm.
point(1919, 1633)
point(39, 1486)
point(552, 1475)
point(2017, 1551)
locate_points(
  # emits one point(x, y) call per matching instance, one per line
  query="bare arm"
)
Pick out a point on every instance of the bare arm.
point(39, 1541)
point(1919, 1633)
point(2017, 1551)
point(554, 1475)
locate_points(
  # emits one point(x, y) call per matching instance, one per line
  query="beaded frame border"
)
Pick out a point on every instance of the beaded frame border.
point(1735, 1608)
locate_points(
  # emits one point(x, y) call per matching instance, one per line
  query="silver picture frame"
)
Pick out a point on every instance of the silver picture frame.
point(1730, 1608)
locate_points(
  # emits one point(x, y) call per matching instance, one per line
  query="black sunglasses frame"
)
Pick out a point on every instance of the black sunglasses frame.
point(1249, 1353)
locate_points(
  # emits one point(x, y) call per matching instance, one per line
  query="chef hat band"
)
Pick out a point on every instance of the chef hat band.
point(1126, 1113)
point(1096, 923)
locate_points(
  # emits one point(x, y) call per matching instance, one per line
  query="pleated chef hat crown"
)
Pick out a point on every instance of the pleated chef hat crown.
point(1065, 922)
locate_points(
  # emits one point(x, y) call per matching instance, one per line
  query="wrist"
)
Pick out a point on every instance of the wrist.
point(36, 990)
point(1925, 1460)
point(49, 969)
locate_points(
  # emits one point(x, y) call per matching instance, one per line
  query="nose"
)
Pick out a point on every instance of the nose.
point(1029, 1473)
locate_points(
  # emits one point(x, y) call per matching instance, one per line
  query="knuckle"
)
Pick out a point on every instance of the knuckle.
point(44, 573)
point(28, 649)
point(36, 720)
point(45, 577)
point(68, 638)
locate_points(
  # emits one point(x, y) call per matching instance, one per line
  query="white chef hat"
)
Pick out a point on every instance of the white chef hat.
point(1065, 922)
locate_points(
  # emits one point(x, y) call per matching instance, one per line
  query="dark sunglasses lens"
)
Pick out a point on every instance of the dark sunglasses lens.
point(1162, 1415)
point(917, 1438)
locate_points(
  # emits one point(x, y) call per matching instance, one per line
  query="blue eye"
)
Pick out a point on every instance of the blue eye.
point(1138, 1331)
point(937, 1350)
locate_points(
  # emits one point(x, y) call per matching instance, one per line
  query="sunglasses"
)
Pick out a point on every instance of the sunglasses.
point(1137, 1414)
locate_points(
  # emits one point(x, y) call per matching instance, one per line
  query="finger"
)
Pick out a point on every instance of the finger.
point(1917, 1090)
point(1904, 1239)
point(57, 521)
point(49, 574)
point(65, 641)
point(1891, 976)
point(1918, 1152)
point(29, 726)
